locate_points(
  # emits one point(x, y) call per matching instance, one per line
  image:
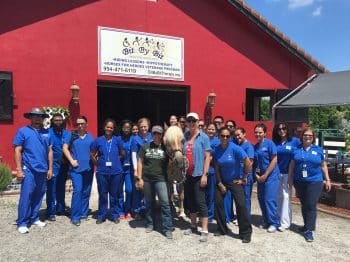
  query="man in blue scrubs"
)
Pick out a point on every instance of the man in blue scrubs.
point(33, 159)
point(56, 187)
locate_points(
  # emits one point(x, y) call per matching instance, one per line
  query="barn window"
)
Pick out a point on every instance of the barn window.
point(258, 104)
point(6, 96)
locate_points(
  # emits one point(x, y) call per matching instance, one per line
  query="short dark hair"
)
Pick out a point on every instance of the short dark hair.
point(221, 117)
point(232, 121)
point(82, 117)
point(241, 129)
point(109, 120)
point(262, 126)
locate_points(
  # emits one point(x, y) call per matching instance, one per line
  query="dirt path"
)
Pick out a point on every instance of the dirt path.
point(127, 241)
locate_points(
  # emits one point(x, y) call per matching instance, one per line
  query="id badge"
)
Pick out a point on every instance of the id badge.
point(108, 163)
point(304, 173)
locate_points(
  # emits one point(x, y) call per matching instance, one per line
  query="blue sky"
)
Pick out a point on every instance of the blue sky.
point(320, 27)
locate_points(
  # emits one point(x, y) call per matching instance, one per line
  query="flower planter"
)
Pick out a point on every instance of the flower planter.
point(343, 198)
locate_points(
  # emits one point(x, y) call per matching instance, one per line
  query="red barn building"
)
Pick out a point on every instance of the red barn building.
point(188, 50)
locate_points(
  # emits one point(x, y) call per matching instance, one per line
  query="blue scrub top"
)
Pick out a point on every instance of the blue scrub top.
point(249, 150)
point(263, 155)
point(200, 146)
point(311, 160)
point(214, 142)
point(57, 143)
point(229, 161)
point(137, 142)
point(81, 152)
point(35, 148)
point(108, 152)
point(284, 154)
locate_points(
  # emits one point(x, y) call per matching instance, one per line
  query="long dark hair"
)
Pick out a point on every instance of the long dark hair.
point(276, 138)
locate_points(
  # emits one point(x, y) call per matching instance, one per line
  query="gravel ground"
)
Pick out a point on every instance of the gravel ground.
point(61, 241)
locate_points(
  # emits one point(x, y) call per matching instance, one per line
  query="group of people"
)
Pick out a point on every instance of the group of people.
point(132, 169)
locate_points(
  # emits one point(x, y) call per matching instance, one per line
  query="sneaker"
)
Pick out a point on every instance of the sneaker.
point(272, 229)
point(263, 226)
point(281, 229)
point(128, 216)
point(99, 221)
point(204, 237)
point(149, 229)
point(75, 222)
point(39, 223)
point(309, 236)
point(190, 231)
point(218, 233)
point(23, 230)
point(168, 234)
point(235, 222)
point(52, 218)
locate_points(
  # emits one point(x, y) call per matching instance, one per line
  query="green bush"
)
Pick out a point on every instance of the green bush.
point(5, 176)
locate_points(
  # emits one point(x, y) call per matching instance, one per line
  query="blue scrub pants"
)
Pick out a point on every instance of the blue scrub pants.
point(210, 195)
point(125, 186)
point(309, 193)
point(248, 188)
point(32, 193)
point(267, 196)
point(108, 185)
point(55, 194)
point(159, 188)
point(138, 203)
point(82, 183)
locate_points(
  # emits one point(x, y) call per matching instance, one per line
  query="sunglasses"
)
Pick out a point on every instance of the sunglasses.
point(282, 128)
point(191, 121)
point(80, 124)
point(229, 126)
point(225, 136)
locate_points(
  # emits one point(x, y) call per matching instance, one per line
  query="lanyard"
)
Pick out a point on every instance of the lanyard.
point(38, 136)
point(303, 157)
point(109, 146)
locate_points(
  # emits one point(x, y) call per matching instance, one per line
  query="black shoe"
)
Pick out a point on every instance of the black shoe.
point(246, 239)
point(219, 233)
point(52, 218)
point(99, 221)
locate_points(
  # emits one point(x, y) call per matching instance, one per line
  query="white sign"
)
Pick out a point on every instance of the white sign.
point(137, 54)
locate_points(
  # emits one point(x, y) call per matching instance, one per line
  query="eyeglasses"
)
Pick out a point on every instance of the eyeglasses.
point(80, 124)
point(217, 122)
point(225, 136)
point(282, 128)
point(229, 126)
point(156, 133)
point(307, 135)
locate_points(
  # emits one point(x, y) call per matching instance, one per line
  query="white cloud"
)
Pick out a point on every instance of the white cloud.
point(317, 11)
point(292, 4)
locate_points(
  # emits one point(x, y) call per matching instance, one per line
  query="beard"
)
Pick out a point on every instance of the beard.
point(57, 128)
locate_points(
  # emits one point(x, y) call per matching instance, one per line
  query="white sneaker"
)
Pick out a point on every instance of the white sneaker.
point(281, 229)
point(23, 230)
point(272, 229)
point(235, 222)
point(39, 223)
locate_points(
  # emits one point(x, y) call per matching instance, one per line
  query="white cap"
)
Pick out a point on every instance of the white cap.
point(193, 115)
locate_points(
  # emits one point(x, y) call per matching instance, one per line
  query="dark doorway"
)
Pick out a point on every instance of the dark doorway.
point(133, 101)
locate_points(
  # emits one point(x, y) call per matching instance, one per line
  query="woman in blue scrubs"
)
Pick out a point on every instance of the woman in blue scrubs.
point(281, 136)
point(227, 159)
point(211, 180)
point(138, 141)
point(242, 141)
point(126, 185)
point(105, 152)
point(267, 176)
point(308, 171)
point(81, 170)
